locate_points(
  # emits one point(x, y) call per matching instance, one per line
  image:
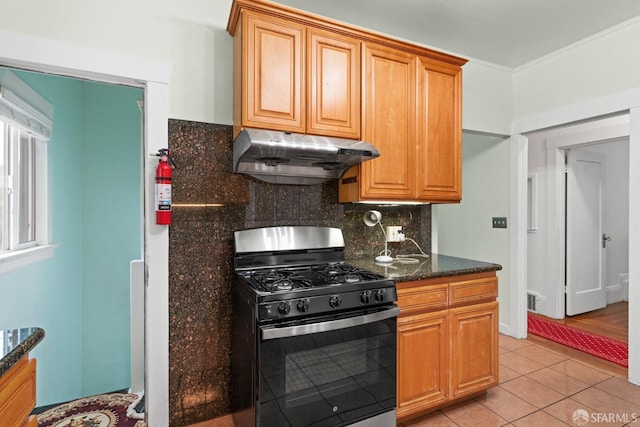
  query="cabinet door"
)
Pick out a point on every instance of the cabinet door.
point(439, 154)
point(474, 348)
point(18, 392)
point(333, 101)
point(389, 91)
point(422, 361)
point(272, 77)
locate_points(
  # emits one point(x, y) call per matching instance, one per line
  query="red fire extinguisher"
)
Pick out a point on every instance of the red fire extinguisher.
point(163, 187)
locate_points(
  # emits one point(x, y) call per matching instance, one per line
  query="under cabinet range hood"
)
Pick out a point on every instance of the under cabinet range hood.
point(290, 158)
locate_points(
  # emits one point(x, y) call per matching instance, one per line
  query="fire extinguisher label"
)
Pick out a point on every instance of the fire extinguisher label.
point(163, 197)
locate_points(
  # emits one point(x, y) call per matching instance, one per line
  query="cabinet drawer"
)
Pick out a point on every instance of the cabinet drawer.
point(18, 393)
point(473, 291)
point(420, 298)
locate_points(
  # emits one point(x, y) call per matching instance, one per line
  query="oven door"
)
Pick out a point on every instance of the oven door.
point(329, 371)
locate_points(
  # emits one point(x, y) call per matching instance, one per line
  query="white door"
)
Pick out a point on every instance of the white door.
point(584, 240)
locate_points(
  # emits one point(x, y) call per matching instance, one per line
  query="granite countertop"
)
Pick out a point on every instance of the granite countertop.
point(15, 343)
point(435, 265)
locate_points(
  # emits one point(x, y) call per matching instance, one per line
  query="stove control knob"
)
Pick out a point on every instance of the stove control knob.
point(379, 295)
point(303, 306)
point(284, 308)
point(335, 301)
point(365, 297)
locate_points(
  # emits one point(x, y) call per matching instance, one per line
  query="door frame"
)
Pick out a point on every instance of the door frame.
point(628, 101)
point(610, 130)
point(71, 60)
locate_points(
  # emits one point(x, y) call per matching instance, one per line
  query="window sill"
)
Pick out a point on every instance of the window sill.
point(17, 259)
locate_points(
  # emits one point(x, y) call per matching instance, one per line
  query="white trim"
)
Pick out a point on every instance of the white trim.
point(610, 129)
point(555, 252)
point(74, 60)
point(608, 105)
point(634, 246)
point(582, 42)
point(518, 236)
point(45, 55)
point(603, 130)
point(16, 259)
point(156, 254)
point(532, 203)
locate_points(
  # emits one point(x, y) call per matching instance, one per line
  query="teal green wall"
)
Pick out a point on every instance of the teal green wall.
point(80, 297)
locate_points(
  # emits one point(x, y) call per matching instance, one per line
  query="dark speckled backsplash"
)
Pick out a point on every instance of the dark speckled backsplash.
point(201, 251)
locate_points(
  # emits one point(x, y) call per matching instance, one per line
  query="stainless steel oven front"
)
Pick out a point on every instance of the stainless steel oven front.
point(329, 372)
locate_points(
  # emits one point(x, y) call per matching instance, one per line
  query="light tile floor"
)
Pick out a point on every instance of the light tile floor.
point(541, 385)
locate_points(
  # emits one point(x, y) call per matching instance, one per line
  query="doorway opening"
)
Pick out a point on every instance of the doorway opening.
point(582, 241)
point(67, 59)
point(94, 168)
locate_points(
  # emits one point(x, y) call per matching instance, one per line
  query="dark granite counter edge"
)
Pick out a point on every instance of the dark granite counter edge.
point(432, 275)
point(435, 266)
point(11, 358)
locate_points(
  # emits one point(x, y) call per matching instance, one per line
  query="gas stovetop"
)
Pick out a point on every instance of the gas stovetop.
point(299, 271)
point(286, 293)
point(271, 280)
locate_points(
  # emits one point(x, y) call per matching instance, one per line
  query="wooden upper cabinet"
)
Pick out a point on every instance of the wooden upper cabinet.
point(272, 94)
point(303, 73)
point(296, 78)
point(389, 124)
point(439, 115)
point(333, 86)
point(412, 114)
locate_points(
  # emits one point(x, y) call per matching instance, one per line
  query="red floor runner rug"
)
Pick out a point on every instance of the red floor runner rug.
point(599, 346)
point(106, 410)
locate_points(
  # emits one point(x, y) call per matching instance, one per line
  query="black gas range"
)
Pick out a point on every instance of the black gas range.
point(314, 338)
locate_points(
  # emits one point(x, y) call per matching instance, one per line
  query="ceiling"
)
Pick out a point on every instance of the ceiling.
point(510, 33)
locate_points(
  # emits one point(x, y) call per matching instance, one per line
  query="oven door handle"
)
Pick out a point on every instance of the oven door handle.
point(269, 333)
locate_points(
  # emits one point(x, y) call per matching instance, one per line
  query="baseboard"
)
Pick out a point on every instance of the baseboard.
point(615, 293)
point(503, 328)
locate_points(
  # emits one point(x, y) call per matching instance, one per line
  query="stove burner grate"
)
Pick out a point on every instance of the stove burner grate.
point(344, 273)
point(322, 275)
point(277, 280)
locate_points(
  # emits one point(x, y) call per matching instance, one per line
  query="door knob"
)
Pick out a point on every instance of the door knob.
point(605, 238)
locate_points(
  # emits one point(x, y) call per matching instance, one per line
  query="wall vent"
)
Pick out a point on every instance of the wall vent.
point(531, 302)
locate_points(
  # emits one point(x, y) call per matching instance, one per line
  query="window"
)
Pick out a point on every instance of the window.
point(25, 129)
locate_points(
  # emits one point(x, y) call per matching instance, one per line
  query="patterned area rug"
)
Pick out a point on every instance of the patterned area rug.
point(105, 410)
point(599, 346)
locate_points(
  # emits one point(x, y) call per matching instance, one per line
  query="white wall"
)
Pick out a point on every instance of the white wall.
point(192, 37)
point(590, 69)
point(465, 229)
point(487, 98)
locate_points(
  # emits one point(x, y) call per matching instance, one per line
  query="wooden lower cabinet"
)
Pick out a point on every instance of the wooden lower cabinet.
point(422, 361)
point(447, 349)
point(474, 348)
point(18, 394)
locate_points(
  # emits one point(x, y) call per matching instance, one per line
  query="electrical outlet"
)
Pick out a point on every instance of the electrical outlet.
point(393, 232)
point(499, 222)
